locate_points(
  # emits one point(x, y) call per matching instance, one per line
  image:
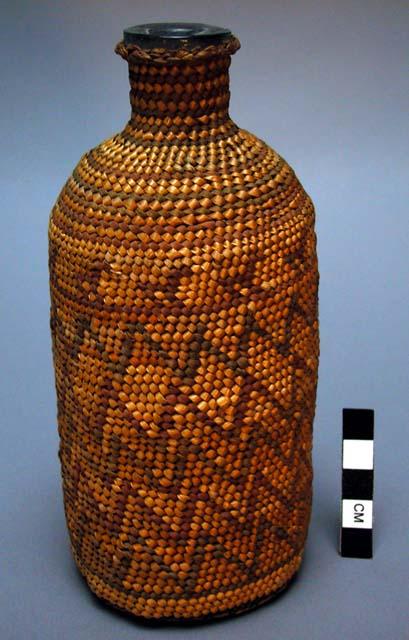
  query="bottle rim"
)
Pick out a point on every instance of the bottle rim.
point(173, 35)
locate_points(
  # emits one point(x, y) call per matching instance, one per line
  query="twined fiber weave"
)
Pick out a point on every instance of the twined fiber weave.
point(183, 276)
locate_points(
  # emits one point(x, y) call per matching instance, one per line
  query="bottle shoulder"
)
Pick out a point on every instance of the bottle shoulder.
point(161, 177)
point(241, 154)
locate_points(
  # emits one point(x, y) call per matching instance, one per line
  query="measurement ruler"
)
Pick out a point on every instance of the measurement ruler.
point(357, 483)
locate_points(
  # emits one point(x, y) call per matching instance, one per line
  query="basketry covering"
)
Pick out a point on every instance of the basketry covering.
point(183, 277)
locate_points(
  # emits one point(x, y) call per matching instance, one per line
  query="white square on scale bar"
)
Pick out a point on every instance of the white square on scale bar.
point(357, 514)
point(357, 454)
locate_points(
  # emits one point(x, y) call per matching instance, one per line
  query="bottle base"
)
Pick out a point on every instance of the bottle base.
point(230, 612)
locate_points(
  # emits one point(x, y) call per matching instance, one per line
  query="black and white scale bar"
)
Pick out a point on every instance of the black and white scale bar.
point(357, 483)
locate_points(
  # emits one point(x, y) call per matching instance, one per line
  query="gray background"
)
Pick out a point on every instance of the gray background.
point(323, 82)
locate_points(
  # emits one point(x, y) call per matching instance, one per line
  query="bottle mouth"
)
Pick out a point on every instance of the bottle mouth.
point(175, 35)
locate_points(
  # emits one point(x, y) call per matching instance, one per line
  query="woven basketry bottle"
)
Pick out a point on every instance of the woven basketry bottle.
point(183, 276)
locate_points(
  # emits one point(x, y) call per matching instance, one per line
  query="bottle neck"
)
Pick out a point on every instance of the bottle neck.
point(180, 97)
point(180, 91)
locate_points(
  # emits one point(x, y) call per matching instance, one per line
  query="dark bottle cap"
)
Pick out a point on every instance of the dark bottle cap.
point(174, 35)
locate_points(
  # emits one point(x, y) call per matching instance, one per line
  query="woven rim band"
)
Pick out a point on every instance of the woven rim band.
point(130, 52)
